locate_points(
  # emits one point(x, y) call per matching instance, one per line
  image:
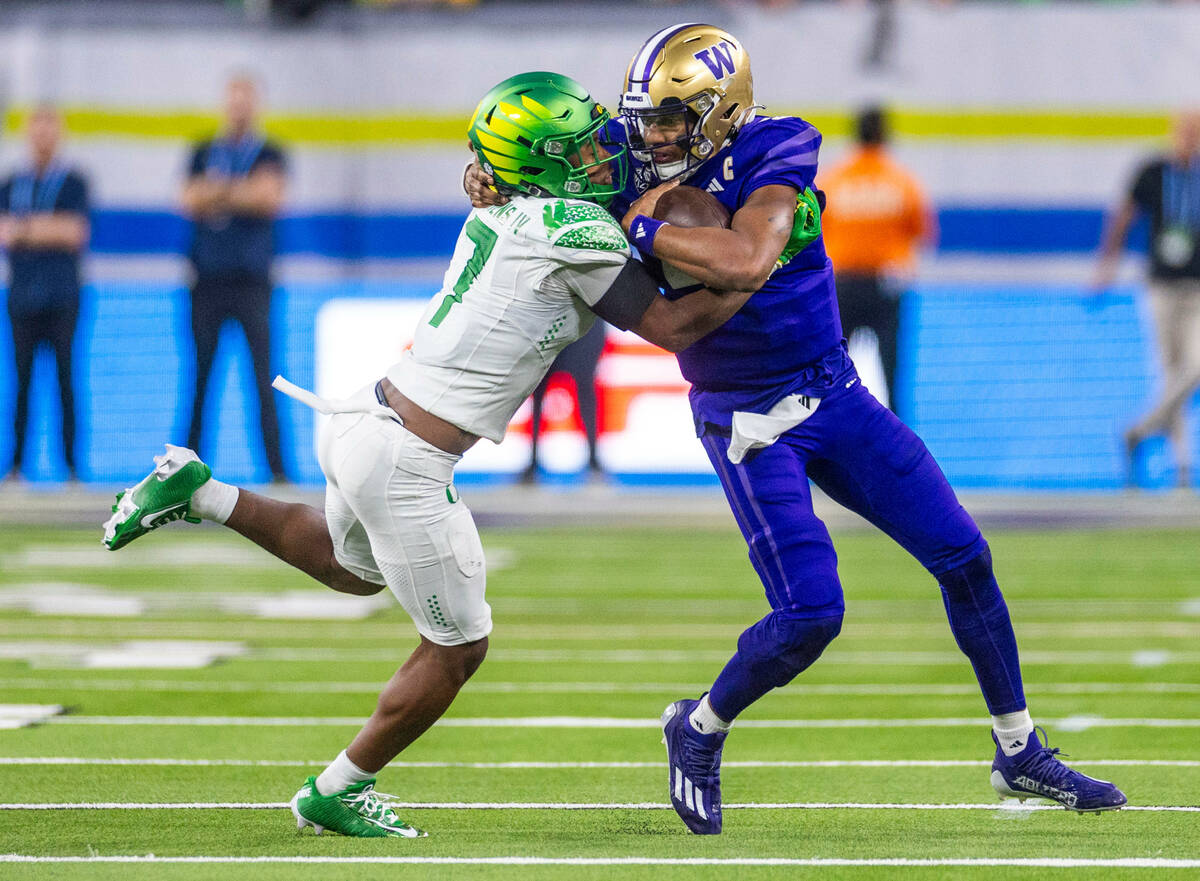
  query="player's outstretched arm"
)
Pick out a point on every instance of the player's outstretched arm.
point(748, 250)
point(676, 324)
point(633, 302)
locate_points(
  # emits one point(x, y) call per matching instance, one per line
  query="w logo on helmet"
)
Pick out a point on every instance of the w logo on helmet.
point(718, 59)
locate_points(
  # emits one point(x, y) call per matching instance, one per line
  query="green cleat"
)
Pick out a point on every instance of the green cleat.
point(162, 497)
point(358, 811)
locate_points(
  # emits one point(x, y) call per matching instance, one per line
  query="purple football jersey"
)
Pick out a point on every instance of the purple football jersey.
point(786, 339)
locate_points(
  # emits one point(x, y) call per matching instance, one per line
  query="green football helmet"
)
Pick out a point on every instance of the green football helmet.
point(536, 135)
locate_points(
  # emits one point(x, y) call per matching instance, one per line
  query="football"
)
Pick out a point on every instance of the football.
point(691, 206)
point(688, 206)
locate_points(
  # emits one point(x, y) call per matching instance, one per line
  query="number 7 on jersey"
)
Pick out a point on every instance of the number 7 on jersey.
point(483, 237)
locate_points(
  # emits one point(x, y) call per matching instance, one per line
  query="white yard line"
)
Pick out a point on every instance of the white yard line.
point(71, 556)
point(567, 766)
point(1020, 862)
point(193, 553)
point(147, 632)
point(682, 656)
point(1011, 806)
point(75, 609)
point(886, 689)
point(1026, 862)
point(1068, 723)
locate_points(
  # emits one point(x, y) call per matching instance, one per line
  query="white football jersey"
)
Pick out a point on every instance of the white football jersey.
point(517, 292)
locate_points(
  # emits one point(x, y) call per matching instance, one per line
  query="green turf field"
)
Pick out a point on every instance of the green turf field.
point(878, 753)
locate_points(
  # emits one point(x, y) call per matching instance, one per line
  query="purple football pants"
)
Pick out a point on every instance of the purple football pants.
point(867, 460)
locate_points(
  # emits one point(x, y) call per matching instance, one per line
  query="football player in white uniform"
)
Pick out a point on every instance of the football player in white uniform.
point(527, 278)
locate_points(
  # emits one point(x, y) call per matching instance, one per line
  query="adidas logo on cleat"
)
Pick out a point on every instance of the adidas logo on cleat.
point(688, 794)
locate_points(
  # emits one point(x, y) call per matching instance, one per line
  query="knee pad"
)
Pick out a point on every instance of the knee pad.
point(779, 647)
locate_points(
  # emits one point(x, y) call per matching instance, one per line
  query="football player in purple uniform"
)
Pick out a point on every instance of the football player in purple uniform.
point(777, 402)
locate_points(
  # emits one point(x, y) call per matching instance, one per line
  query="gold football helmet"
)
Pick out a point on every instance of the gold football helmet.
point(689, 78)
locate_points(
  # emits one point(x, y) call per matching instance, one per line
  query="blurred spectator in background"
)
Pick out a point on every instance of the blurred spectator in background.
point(233, 193)
point(1167, 188)
point(44, 228)
point(875, 221)
point(579, 359)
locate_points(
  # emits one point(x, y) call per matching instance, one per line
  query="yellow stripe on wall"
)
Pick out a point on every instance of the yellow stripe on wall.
point(975, 124)
point(315, 130)
point(418, 127)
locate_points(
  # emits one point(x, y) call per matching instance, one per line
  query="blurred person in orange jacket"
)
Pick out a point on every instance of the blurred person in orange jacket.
point(876, 220)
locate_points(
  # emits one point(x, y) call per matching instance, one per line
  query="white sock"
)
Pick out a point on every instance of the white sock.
point(340, 774)
point(705, 721)
point(214, 500)
point(1013, 730)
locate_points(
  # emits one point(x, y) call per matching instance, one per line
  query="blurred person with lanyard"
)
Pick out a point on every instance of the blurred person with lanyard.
point(1167, 189)
point(44, 228)
point(234, 192)
point(876, 219)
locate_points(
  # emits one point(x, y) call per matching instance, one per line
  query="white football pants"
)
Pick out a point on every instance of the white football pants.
point(395, 519)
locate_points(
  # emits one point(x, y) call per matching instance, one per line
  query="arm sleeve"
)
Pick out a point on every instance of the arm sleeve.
point(589, 281)
point(619, 292)
point(628, 297)
point(789, 157)
point(5, 196)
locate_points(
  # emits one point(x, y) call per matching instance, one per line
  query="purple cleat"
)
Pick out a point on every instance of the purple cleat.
point(694, 761)
point(1036, 772)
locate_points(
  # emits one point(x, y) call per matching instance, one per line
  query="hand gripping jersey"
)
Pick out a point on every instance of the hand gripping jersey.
point(778, 343)
point(518, 290)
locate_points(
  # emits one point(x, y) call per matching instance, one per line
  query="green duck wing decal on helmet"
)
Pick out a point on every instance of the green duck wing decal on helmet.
point(537, 135)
